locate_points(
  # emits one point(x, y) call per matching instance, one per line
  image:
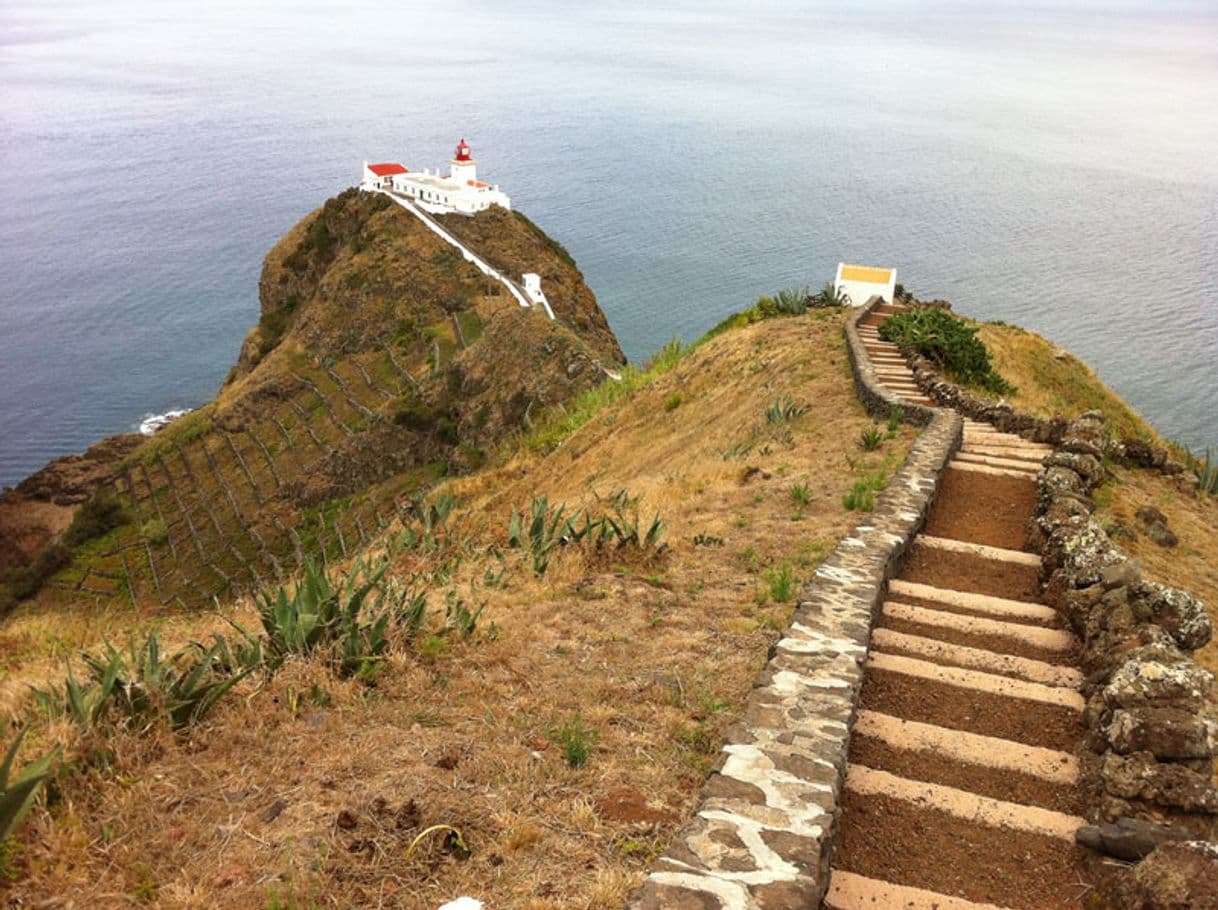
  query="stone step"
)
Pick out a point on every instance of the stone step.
point(848, 891)
point(984, 604)
point(975, 680)
point(999, 554)
point(993, 472)
point(979, 810)
point(1049, 765)
point(994, 461)
point(1046, 639)
point(989, 661)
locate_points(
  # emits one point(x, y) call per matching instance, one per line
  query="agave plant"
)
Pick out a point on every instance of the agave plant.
point(319, 614)
point(548, 528)
point(17, 794)
point(83, 704)
point(182, 686)
point(1206, 471)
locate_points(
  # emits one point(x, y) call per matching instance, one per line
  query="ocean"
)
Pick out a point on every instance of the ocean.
point(1054, 166)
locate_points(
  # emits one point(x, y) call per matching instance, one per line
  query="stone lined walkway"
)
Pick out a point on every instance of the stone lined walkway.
point(962, 782)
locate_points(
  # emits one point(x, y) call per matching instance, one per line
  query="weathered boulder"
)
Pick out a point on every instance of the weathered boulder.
point(1140, 683)
point(1128, 838)
point(1087, 466)
point(1176, 876)
point(1168, 785)
point(1182, 615)
point(1167, 733)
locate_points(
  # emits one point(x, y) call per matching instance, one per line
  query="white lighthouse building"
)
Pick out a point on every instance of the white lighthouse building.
point(460, 192)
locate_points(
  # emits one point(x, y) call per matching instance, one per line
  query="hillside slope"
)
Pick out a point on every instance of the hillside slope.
point(568, 735)
point(381, 361)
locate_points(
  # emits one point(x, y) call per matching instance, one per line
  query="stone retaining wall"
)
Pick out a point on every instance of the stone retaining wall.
point(1148, 757)
point(764, 831)
point(877, 399)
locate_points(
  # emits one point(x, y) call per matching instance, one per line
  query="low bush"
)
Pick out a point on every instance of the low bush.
point(26, 581)
point(871, 438)
point(948, 342)
point(100, 515)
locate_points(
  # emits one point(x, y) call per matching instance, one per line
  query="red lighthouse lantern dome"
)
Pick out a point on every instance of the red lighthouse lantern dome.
point(463, 151)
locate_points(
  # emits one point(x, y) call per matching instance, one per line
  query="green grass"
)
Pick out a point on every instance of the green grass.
point(558, 424)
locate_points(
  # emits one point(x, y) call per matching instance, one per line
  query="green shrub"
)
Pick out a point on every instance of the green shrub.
point(801, 493)
point(576, 740)
point(143, 685)
point(26, 581)
point(949, 343)
point(154, 531)
point(673, 401)
point(871, 438)
point(784, 409)
point(100, 515)
point(181, 687)
point(781, 581)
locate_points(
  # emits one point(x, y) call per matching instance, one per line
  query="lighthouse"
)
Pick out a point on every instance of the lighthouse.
point(464, 167)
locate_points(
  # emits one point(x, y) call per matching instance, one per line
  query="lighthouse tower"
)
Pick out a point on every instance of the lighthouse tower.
point(464, 167)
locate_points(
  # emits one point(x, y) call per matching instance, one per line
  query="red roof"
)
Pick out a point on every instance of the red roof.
point(387, 170)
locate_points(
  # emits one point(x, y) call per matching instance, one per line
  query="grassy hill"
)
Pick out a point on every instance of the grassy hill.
point(567, 735)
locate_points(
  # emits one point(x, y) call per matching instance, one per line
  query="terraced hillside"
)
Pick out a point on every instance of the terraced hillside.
point(381, 361)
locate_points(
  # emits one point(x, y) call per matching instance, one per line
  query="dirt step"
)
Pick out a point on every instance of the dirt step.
point(999, 461)
point(999, 754)
point(978, 681)
point(1035, 458)
point(987, 605)
point(919, 847)
point(1017, 639)
point(971, 468)
point(1001, 554)
point(952, 654)
point(848, 891)
point(984, 704)
point(964, 571)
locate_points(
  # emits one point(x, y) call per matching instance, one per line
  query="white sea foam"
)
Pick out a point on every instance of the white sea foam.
point(153, 422)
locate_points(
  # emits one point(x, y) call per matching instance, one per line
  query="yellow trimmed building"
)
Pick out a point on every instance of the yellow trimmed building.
point(862, 282)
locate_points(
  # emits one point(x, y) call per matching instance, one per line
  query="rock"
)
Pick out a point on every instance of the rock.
point(1087, 466)
point(1167, 733)
point(1139, 683)
point(1127, 838)
point(1182, 615)
point(1122, 574)
point(1176, 876)
point(1167, 785)
point(273, 811)
point(1154, 525)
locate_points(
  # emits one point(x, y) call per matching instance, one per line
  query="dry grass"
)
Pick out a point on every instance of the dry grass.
point(1052, 381)
point(316, 798)
point(1193, 563)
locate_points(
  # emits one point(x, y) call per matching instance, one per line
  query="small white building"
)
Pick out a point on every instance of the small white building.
point(861, 282)
point(460, 192)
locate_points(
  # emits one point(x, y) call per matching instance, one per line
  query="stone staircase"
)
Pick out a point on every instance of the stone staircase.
point(961, 790)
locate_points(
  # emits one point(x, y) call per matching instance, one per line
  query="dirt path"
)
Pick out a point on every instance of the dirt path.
point(962, 786)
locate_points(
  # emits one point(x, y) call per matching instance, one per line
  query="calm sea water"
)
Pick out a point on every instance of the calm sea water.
point(1055, 167)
